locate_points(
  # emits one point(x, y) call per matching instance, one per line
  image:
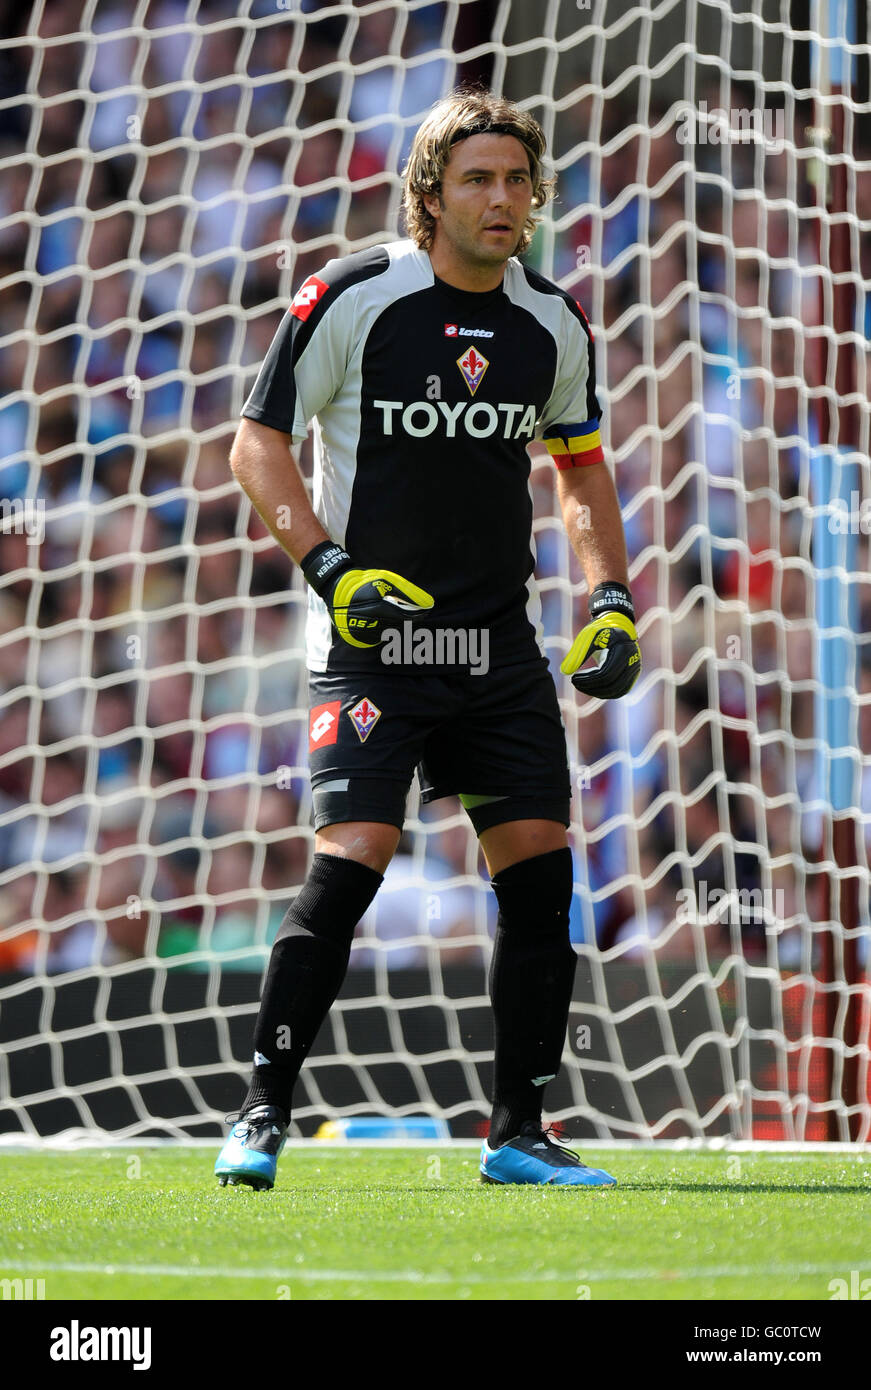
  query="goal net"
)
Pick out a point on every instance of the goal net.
point(172, 172)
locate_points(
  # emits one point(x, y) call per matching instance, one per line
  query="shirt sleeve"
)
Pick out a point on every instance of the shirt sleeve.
point(569, 424)
point(305, 365)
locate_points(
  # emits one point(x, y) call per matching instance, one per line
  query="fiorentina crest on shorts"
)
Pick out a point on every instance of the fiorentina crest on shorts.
point(473, 364)
point(364, 716)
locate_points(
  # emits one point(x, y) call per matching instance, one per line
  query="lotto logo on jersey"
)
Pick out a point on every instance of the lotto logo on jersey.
point(453, 330)
point(307, 297)
point(473, 364)
point(323, 725)
point(364, 716)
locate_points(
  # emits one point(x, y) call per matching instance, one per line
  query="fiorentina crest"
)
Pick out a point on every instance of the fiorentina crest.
point(473, 364)
point(364, 716)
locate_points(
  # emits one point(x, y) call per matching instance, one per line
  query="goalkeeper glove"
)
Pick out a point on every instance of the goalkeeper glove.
point(610, 635)
point(361, 603)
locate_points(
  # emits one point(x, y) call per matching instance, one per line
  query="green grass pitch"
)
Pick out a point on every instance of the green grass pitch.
point(408, 1223)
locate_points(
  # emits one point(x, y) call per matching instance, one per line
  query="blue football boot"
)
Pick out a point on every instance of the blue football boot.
point(251, 1152)
point(533, 1157)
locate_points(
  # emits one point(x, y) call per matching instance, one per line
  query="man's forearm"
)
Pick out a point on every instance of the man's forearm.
point(591, 512)
point(266, 469)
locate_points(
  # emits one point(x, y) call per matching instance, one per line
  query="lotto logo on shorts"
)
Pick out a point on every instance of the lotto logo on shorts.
point(323, 725)
point(307, 297)
point(364, 716)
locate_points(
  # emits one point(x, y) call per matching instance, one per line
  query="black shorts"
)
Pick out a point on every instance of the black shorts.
point(496, 740)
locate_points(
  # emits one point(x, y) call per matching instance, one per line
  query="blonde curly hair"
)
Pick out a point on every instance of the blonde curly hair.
point(468, 111)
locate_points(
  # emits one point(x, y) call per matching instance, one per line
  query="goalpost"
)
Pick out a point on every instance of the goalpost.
point(171, 175)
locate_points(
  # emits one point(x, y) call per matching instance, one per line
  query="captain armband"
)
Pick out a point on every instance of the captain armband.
point(574, 446)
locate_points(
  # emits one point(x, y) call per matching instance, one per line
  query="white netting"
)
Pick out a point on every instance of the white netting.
point(171, 173)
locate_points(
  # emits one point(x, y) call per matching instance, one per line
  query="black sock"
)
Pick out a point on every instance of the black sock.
point(531, 978)
point(306, 969)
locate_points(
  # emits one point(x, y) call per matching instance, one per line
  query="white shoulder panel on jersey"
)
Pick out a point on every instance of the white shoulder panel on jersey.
point(409, 271)
point(568, 400)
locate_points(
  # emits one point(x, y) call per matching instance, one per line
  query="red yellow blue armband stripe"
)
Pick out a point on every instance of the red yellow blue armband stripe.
point(574, 446)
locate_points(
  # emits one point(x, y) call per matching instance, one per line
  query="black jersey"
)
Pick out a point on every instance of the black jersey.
point(424, 399)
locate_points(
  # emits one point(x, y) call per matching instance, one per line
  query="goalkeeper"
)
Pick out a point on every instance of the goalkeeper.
point(428, 365)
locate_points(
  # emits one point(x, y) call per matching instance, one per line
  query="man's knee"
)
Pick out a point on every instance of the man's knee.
point(372, 843)
point(359, 817)
point(513, 841)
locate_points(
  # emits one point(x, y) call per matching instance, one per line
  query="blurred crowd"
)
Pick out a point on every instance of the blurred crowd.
point(153, 786)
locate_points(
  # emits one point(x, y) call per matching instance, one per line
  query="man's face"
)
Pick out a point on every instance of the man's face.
point(486, 197)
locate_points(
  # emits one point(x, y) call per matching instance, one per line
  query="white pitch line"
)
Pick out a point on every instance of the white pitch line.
point(412, 1276)
point(108, 1145)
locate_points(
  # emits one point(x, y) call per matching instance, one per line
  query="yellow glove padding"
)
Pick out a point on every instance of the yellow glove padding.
point(365, 602)
point(613, 638)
